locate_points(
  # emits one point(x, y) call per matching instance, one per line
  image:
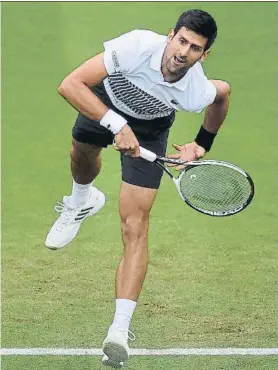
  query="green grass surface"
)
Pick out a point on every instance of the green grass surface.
point(211, 282)
point(143, 363)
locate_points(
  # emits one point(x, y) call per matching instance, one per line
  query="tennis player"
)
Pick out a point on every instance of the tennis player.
point(129, 93)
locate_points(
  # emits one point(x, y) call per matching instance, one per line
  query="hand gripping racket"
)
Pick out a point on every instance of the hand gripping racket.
point(215, 188)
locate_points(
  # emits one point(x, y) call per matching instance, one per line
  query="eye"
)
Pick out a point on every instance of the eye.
point(196, 48)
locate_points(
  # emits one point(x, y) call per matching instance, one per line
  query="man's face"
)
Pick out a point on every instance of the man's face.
point(182, 51)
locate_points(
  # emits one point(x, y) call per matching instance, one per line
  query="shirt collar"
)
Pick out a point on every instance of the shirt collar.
point(155, 63)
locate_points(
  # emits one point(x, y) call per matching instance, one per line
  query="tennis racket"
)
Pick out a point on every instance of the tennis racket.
point(215, 188)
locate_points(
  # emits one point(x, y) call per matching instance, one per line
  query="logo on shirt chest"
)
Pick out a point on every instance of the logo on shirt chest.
point(174, 102)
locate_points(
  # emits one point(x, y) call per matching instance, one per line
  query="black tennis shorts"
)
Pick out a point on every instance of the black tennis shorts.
point(151, 134)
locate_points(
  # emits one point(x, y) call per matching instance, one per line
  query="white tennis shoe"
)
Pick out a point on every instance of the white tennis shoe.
point(115, 347)
point(115, 365)
point(67, 225)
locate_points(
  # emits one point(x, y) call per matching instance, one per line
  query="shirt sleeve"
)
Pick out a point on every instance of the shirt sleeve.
point(202, 92)
point(207, 97)
point(119, 53)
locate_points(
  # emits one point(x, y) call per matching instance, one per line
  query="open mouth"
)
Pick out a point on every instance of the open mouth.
point(179, 61)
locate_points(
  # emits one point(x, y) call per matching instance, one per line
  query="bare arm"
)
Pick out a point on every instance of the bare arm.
point(214, 117)
point(75, 88)
point(217, 111)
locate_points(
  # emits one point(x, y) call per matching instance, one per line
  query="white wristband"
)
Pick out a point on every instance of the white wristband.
point(113, 121)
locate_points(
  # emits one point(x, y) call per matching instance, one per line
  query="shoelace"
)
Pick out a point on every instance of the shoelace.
point(130, 335)
point(67, 215)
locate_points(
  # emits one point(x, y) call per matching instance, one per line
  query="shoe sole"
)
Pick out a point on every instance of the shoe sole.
point(93, 211)
point(115, 352)
point(114, 365)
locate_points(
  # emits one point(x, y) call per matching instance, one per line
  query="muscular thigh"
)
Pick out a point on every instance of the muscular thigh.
point(135, 201)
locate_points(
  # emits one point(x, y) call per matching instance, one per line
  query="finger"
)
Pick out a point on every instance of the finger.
point(174, 156)
point(189, 158)
point(123, 149)
point(137, 151)
point(134, 145)
point(127, 153)
point(126, 148)
point(177, 165)
point(200, 154)
point(180, 168)
point(115, 146)
point(130, 153)
point(177, 147)
point(134, 155)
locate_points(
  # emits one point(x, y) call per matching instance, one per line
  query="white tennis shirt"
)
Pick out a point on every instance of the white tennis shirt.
point(136, 85)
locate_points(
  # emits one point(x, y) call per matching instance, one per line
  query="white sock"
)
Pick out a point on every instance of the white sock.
point(124, 312)
point(80, 193)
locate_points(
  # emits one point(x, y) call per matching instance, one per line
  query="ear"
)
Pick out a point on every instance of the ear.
point(205, 55)
point(171, 34)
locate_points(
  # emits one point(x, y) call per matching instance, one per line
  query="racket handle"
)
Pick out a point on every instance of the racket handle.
point(147, 154)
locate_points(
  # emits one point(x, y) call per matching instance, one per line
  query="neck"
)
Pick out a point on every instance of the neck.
point(169, 76)
point(173, 78)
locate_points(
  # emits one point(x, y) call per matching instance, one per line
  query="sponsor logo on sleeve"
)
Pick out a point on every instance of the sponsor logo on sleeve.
point(115, 59)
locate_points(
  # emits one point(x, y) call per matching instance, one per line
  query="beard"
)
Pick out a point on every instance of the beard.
point(174, 72)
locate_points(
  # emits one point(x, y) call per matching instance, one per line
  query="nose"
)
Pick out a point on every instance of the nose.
point(185, 50)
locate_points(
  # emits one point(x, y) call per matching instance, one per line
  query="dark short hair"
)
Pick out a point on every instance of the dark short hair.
point(200, 22)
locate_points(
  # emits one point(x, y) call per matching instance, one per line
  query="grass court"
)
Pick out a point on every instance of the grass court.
point(211, 282)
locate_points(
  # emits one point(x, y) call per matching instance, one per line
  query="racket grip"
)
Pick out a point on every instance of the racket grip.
point(147, 154)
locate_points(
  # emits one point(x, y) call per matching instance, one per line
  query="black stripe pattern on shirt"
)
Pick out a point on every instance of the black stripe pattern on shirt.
point(132, 100)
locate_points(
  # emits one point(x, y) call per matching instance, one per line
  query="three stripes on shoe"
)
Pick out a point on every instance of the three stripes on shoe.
point(83, 213)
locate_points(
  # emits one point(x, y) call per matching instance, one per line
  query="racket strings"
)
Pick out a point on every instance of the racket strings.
point(215, 188)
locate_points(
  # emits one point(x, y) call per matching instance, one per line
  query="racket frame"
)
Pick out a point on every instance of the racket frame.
point(176, 180)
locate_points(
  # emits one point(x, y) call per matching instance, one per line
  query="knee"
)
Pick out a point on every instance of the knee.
point(135, 226)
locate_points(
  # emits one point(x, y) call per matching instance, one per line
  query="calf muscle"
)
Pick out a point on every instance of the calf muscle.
point(135, 205)
point(85, 162)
